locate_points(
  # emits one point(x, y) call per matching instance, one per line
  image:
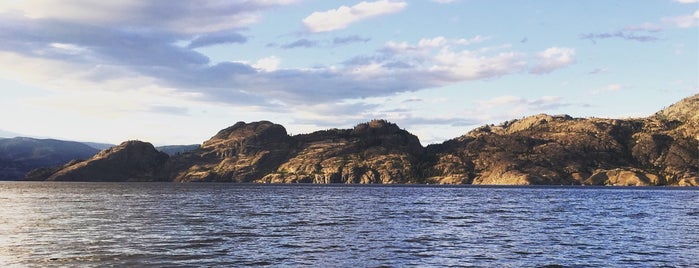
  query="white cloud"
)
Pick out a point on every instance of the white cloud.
point(469, 65)
point(444, 1)
point(71, 55)
point(343, 16)
point(614, 87)
point(687, 21)
point(553, 58)
point(268, 64)
point(474, 40)
point(687, 1)
point(433, 42)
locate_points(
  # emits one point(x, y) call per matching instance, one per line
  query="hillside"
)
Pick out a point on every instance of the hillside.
point(662, 149)
point(20, 155)
point(129, 161)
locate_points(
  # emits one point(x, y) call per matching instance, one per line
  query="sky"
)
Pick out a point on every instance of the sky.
point(177, 72)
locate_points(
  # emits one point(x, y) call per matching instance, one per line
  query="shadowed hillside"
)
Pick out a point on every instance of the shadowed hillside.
point(20, 155)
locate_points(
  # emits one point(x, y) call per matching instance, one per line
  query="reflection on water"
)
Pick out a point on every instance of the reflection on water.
point(161, 224)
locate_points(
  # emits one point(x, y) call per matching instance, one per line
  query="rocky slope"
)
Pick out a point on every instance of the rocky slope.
point(659, 150)
point(129, 161)
point(373, 152)
point(240, 153)
point(542, 149)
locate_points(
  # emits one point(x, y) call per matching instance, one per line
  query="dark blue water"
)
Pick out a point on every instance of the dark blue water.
point(184, 225)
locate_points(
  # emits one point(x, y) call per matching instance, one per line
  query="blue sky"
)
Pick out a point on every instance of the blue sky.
point(176, 72)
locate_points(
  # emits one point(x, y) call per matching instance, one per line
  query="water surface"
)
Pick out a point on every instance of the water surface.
point(183, 225)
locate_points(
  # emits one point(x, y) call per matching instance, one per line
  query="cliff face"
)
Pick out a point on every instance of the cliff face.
point(543, 149)
point(659, 150)
point(240, 153)
point(374, 152)
point(129, 161)
point(668, 144)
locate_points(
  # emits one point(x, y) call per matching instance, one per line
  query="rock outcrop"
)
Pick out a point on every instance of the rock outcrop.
point(240, 153)
point(129, 161)
point(542, 149)
point(263, 152)
point(662, 149)
point(373, 152)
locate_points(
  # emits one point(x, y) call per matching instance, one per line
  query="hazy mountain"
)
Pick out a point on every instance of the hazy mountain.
point(177, 149)
point(98, 145)
point(19, 155)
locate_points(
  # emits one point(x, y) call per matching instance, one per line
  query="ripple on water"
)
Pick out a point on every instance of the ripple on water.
point(153, 224)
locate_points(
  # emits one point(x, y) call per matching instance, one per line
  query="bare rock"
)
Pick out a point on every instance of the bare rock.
point(624, 177)
point(243, 152)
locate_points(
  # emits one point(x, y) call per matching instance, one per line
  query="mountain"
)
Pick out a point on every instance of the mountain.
point(659, 150)
point(20, 155)
point(662, 149)
point(99, 146)
point(129, 161)
point(373, 152)
point(177, 149)
point(168, 149)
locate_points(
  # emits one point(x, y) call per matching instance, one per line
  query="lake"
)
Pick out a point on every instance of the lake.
point(210, 224)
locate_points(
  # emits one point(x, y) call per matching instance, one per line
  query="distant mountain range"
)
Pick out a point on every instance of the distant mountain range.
point(662, 149)
point(19, 155)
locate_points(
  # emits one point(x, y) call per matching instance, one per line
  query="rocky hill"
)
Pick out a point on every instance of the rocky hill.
point(240, 153)
point(542, 149)
point(129, 161)
point(373, 152)
point(20, 155)
point(662, 149)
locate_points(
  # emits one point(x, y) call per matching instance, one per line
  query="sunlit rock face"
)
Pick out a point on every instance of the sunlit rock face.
point(243, 152)
point(662, 149)
point(373, 152)
point(659, 150)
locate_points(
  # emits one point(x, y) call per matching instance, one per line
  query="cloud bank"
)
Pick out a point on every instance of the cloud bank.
point(137, 47)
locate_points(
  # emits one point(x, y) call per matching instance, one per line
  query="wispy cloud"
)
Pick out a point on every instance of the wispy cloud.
point(621, 34)
point(647, 32)
point(343, 16)
point(166, 109)
point(599, 71)
point(553, 58)
point(224, 37)
point(304, 43)
point(350, 39)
